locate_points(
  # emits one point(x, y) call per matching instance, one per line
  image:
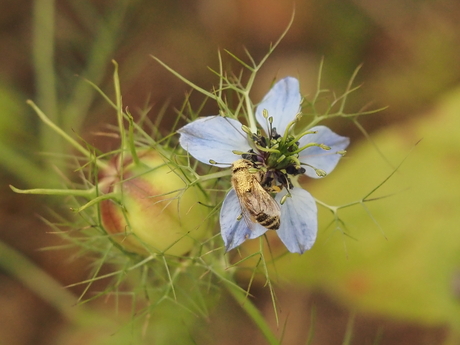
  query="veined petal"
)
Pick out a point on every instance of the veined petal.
point(282, 103)
point(299, 221)
point(317, 157)
point(214, 137)
point(234, 231)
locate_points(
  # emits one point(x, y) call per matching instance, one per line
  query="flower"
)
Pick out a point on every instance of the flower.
point(277, 155)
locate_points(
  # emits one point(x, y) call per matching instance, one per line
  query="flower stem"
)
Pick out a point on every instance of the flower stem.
point(45, 76)
point(251, 117)
point(254, 314)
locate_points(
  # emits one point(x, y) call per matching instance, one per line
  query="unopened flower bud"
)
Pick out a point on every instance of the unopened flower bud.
point(154, 211)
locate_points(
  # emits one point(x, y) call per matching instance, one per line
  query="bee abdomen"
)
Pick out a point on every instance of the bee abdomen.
point(269, 222)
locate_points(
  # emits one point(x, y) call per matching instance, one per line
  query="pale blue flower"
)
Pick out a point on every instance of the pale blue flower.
point(220, 141)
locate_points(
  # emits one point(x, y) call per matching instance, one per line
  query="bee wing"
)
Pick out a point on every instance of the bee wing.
point(262, 202)
point(257, 201)
point(248, 218)
point(246, 212)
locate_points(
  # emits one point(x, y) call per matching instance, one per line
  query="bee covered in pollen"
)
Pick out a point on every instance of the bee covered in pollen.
point(257, 205)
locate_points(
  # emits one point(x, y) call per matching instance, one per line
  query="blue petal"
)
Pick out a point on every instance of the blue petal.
point(234, 232)
point(299, 222)
point(317, 157)
point(214, 137)
point(282, 103)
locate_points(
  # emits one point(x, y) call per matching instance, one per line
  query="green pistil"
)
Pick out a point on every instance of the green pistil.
point(288, 128)
point(267, 149)
point(295, 161)
point(273, 160)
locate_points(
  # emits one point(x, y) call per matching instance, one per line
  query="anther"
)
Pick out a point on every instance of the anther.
point(283, 199)
point(246, 130)
point(239, 153)
point(320, 172)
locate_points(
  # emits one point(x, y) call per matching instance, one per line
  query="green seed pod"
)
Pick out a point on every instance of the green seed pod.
point(154, 210)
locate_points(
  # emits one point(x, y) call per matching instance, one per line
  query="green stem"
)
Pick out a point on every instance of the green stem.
point(251, 117)
point(254, 314)
point(43, 60)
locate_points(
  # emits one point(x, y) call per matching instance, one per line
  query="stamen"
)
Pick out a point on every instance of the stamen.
point(246, 130)
point(319, 172)
point(289, 126)
point(324, 147)
point(283, 199)
point(266, 149)
point(297, 138)
point(342, 153)
point(269, 121)
point(212, 161)
point(239, 153)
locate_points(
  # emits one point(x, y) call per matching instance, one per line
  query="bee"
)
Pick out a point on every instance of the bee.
point(257, 205)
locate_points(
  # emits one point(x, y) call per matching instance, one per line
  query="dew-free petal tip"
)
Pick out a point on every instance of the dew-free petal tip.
point(299, 222)
point(282, 103)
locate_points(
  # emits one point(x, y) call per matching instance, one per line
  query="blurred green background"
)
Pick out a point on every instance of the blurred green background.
point(398, 280)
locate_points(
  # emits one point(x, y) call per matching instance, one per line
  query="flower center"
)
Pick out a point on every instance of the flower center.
point(277, 156)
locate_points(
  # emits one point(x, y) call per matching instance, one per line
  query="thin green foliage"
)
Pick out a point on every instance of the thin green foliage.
point(152, 278)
